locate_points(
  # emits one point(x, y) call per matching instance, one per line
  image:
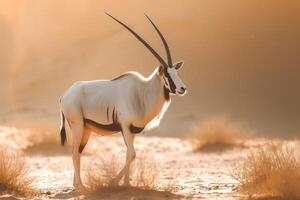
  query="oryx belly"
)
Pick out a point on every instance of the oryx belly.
point(99, 107)
point(109, 103)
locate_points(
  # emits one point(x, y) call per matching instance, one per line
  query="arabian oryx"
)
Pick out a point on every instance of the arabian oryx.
point(128, 104)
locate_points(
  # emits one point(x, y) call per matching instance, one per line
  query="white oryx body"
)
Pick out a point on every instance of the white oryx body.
point(129, 99)
point(128, 104)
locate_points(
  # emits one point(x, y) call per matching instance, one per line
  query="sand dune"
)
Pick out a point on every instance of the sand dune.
point(240, 58)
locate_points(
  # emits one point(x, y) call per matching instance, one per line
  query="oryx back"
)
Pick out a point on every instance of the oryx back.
point(102, 104)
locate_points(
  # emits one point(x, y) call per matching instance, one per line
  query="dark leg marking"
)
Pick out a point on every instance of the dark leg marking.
point(135, 129)
point(81, 147)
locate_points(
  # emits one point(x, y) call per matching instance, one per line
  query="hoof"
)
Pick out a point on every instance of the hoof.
point(80, 188)
point(126, 184)
point(115, 182)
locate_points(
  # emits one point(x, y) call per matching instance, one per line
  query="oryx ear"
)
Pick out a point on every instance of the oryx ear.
point(178, 65)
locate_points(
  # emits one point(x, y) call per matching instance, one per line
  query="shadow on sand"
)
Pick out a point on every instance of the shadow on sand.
point(217, 147)
point(48, 149)
point(271, 198)
point(8, 197)
point(120, 193)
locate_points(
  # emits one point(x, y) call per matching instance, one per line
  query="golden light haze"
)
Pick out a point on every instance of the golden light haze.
point(241, 57)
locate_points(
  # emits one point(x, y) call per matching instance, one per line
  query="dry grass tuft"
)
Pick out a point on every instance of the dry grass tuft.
point(219, 134)
point(13, 174)
point(143, 175)
point(101, 177)
point(273, 171)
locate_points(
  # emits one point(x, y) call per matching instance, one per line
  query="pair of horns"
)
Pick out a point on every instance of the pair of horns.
point(159, 58)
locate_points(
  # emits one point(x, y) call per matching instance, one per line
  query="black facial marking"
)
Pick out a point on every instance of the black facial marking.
point(135, 129)
point(166, 94)
point(114, 127)
point(170, 80)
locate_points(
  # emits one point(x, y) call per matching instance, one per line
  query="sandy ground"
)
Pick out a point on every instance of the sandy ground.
point(190, 174)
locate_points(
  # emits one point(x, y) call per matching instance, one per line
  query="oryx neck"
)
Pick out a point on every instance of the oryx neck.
point(154, 95)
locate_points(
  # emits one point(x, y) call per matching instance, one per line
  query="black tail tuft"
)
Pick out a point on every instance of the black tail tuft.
point(63, 136)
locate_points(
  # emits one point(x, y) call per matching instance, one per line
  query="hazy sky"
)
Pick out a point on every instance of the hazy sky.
point(241, 57)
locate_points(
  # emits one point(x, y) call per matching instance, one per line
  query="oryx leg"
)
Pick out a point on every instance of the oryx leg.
point(77, 131)
point(130, 156)
point(84, 140)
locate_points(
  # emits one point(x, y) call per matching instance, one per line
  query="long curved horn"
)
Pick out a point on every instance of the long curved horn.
point(142, 41)
point(164, 42)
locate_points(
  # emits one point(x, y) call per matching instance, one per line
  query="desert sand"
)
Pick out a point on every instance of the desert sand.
point(180, 172)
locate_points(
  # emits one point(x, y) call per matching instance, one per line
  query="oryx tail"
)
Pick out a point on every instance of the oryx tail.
point(63, 136)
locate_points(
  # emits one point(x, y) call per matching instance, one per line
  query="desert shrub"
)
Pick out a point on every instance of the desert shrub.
point(13, 174)
point(144, 172)
point(101, 177)
point(144, 175)
point(272, 171)
point(46, 141)
point(219, 134)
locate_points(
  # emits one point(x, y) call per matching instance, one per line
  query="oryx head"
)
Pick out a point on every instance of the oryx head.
point(167, 70)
